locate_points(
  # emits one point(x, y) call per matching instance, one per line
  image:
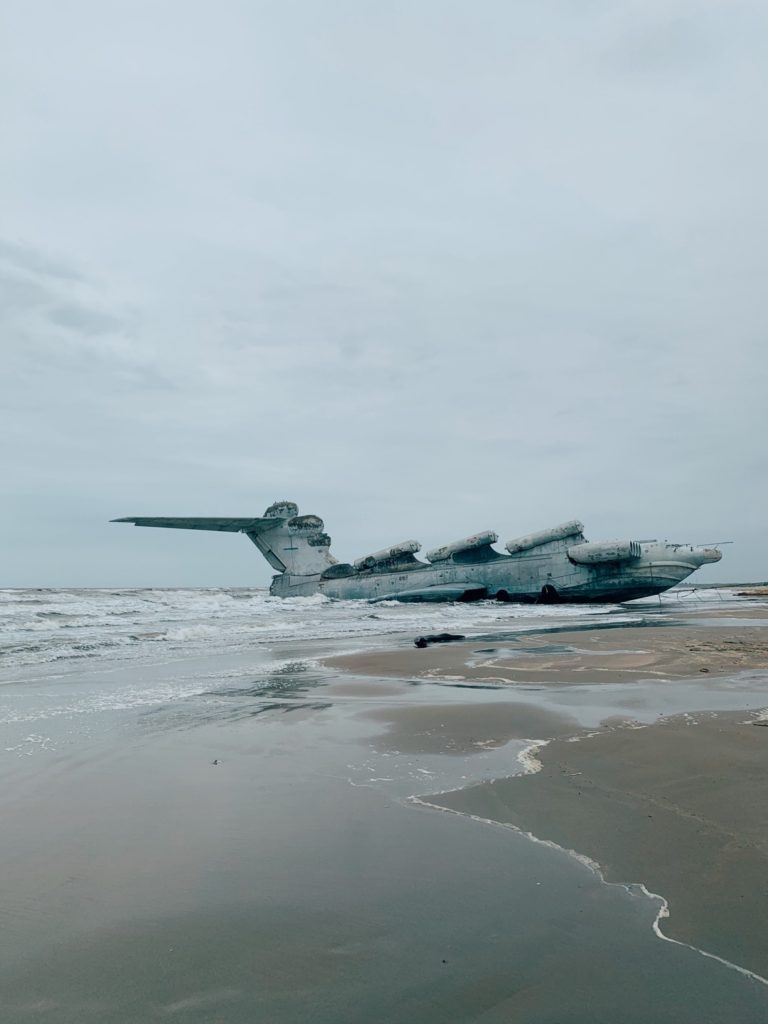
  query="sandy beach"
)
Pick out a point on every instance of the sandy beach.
point(569, 657)
point(202, 831)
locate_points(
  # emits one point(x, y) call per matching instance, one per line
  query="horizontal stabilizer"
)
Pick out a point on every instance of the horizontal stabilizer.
point(192, 523)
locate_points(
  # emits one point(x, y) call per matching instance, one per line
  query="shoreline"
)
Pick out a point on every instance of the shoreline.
point(592, 865)
point(654, 816)
point(675, 805)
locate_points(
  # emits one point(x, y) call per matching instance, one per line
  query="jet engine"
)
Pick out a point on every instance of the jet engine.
point(604, 551)
point(477, 540)
point(535, 540)
point(398, 552)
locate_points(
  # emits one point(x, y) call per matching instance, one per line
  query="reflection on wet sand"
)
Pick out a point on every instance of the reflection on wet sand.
point(465, 728)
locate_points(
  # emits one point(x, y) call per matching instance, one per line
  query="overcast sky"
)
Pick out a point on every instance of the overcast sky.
point(423, 267)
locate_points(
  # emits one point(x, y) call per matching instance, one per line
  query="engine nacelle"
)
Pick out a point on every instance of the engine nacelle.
point(604, 551)
point(406, 547)
point(477, 540)
point(534, 540)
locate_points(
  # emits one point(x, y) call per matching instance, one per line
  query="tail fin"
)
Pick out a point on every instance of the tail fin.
point(289, 542)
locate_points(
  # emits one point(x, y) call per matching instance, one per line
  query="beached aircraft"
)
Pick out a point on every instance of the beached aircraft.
point(555, 565)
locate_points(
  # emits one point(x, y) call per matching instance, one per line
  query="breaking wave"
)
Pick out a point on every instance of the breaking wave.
point(38, 627)
point(41, 626)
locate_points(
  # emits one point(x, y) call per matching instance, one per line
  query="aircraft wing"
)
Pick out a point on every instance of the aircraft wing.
point(204, 523)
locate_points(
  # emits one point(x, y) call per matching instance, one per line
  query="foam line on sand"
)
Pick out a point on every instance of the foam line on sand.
point(531, 765)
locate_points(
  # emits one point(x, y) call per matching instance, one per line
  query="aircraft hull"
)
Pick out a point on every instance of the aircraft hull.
point(553, 565)
point(550, 579)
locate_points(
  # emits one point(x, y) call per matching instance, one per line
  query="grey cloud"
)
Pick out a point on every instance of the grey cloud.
point(30, 260)
point(423, 268)
point(61, 333)
point(683, 40)
point(85, 321)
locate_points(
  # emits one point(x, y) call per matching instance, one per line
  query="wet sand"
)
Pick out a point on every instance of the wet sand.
point(681, 806)
point(577, 657)
point(142, 882)
point(466, 728)
point(252, 851)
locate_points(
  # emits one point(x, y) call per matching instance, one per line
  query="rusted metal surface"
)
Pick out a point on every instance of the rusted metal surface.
point(557, 564)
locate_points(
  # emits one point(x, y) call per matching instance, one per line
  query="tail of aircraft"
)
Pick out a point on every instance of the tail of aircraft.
point(290, 543)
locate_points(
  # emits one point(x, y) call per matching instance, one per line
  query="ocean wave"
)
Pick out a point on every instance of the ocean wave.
point(42, 626)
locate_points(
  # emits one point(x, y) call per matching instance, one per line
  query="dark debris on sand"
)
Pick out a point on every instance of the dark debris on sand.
point(437, 638)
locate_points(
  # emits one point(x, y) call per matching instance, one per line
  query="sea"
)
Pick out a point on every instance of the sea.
point(61, 626)
point(114, 649)
point(200, 823)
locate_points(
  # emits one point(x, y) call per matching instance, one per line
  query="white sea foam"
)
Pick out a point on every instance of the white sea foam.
point(528, 759)
point(43, 626)
point(78, 641)
point(595, 868)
